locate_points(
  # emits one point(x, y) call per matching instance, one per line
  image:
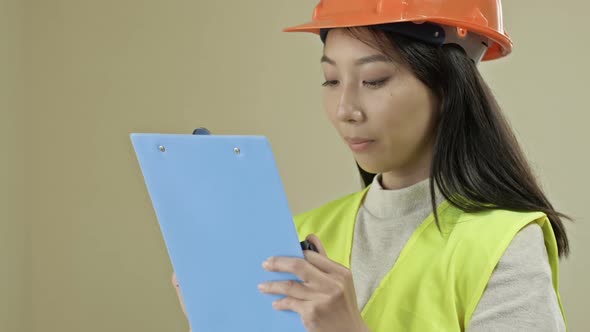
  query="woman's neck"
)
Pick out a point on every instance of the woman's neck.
point(395, 180)
point(410, 174)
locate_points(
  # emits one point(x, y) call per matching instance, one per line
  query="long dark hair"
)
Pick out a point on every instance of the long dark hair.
point(477, 163)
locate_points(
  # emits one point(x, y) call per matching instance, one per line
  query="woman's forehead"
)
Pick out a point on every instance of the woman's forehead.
point(347, 45)
point(339, 40)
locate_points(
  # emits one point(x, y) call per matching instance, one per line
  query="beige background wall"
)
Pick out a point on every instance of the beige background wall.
point(97, 70)
point(15, 245)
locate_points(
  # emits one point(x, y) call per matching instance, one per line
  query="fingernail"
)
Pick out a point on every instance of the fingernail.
point(266, 264)
point(262, 287)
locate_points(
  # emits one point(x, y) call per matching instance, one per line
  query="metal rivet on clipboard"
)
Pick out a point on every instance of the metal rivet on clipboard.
point(162, 148)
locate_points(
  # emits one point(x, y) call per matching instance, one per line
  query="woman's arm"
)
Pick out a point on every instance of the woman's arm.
point(520, 295)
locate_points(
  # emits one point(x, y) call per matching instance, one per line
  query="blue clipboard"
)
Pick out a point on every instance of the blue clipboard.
point(222, 211)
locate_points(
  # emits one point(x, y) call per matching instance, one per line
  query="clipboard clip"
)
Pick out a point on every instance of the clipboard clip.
point(201, 131)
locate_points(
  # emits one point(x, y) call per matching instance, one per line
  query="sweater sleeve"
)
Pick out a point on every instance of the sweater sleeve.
point(520, 295)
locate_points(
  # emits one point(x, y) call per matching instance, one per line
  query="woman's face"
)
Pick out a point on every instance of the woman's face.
point(380, 109)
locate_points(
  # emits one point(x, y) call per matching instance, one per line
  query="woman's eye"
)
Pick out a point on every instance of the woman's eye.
point(330, 83)
point(376, 84)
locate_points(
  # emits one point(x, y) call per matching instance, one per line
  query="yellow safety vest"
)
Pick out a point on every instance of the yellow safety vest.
point(440, 275)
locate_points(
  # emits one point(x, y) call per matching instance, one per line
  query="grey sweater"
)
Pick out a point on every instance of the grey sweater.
point(519, 295)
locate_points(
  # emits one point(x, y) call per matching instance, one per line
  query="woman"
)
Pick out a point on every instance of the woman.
point(452, 231)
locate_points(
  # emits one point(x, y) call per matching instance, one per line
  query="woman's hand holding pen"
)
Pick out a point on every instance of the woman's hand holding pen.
point(325, 299)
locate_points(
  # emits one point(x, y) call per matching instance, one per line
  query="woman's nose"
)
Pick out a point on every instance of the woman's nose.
point(349, 109)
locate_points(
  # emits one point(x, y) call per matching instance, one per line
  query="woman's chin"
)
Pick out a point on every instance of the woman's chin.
point(370, 167)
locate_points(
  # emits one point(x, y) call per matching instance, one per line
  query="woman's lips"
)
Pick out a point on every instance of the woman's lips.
point(359, 144)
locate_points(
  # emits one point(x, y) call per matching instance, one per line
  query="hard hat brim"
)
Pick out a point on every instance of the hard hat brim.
point(501, 44)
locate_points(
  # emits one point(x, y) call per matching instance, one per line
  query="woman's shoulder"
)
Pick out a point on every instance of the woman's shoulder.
point(345, 204)
point(491, 218)
point(493, 228)
point(489, 233)
point(495, 223)
point(498, 214)
point(332, 205)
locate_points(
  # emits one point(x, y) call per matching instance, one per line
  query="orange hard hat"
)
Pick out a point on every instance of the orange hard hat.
point(479, 18)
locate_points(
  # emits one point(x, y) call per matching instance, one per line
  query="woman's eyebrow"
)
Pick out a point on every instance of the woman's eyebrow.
point(327, 60)
point(362, 61)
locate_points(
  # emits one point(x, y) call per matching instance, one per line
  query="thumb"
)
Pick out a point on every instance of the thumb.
point(317, 243)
